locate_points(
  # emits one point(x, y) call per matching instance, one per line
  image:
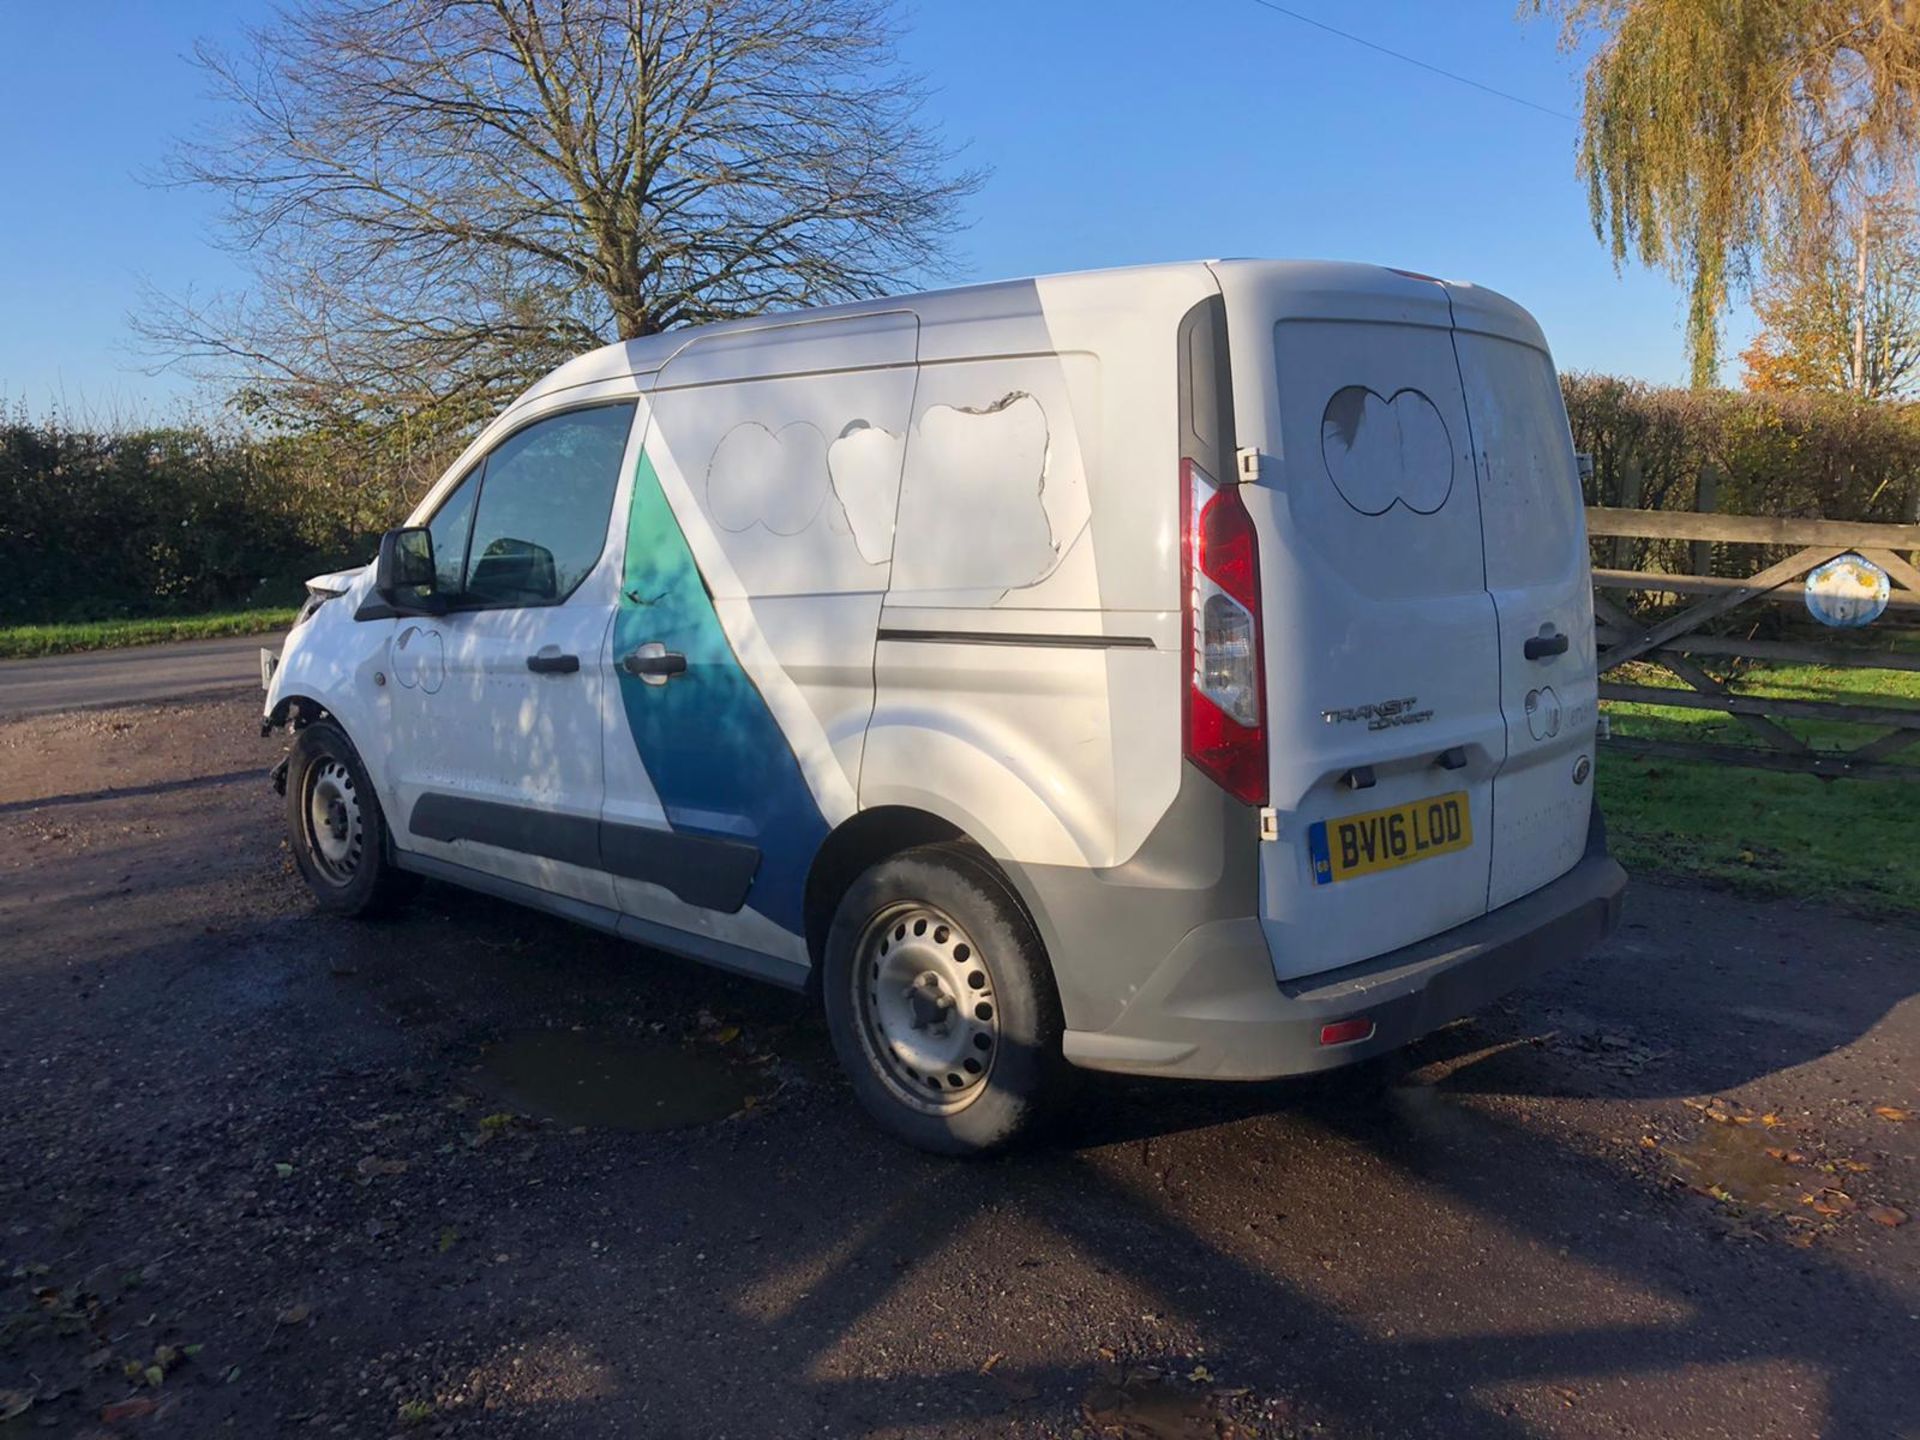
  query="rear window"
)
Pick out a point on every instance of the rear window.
point(1530, 503)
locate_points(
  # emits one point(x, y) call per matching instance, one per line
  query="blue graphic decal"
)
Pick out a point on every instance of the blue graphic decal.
point(717, 757)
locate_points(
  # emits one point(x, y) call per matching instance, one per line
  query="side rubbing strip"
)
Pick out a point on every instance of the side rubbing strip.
point(699, 869)
point(1025, 637)
point(574, 839)
point(702, 870)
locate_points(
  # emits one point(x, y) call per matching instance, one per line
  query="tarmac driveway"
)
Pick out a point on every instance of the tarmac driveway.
point(263, 1173)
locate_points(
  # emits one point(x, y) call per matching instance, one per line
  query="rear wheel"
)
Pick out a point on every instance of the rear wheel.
point(941, 1004)
point(336, 829)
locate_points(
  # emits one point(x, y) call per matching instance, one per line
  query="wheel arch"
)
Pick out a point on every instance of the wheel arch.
point(869, 837)
point(296, 712)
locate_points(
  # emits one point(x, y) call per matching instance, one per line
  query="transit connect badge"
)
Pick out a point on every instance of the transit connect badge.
point(1381, 714)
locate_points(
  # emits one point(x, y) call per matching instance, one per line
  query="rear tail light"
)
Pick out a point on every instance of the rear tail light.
point(1223, 713)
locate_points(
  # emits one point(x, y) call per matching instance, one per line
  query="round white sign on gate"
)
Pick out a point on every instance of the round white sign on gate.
point(1847, 592)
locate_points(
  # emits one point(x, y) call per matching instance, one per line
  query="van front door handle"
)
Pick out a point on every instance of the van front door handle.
point(1545, 647)
point(549, 662)
point(654, 663)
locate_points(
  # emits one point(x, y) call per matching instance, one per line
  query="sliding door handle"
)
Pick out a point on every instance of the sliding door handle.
point(654, 663)
point(551, 662)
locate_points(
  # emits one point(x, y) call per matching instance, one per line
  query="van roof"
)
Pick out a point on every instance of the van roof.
point(642, 356)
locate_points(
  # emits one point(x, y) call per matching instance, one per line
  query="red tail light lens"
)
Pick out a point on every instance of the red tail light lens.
point(1224, 708)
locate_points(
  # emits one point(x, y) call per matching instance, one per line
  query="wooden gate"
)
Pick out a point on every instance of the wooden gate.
point(1674, 640)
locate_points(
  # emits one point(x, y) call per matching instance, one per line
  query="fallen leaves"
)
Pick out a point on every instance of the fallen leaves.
point(1741, 1162)
point(294, 1315)
point(1731, 1112)
point(1893, 1113)
point(132, 1409)
point(372, 1166)
point(1830, 1202)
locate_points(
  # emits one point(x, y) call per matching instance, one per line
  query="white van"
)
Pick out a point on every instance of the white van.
point(1184, 670)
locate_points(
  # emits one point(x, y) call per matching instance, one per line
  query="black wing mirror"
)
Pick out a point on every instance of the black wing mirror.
point(405, 576)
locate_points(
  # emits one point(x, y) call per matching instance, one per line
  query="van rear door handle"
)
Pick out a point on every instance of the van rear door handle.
point(654, 663)
point(1545, 647)
point(550, 662)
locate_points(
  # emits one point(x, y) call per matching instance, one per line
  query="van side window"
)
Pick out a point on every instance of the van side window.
point(545, 495)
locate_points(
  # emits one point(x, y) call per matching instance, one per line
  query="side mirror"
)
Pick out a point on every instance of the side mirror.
point(405, 576)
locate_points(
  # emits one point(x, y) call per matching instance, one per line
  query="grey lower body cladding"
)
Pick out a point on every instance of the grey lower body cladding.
point(703, 870)
point(1211, 1008)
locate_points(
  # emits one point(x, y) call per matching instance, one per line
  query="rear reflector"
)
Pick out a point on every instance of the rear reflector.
point(1345, 1032)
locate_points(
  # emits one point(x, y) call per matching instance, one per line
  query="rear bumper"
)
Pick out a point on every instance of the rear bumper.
point(1214, 1010)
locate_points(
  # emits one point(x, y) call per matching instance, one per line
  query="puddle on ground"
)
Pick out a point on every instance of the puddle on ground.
point(1142, 1406)
point(1747, 1164)
point(614, 1082)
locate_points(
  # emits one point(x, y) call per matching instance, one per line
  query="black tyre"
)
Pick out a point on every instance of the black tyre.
point(941, 1004)
point(336, 829)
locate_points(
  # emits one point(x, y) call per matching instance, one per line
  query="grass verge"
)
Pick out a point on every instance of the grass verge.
point(1849, 842)
point(26, 641)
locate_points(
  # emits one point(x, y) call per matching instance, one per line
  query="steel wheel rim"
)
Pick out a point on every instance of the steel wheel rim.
point(335, 834)
point(928, 1013)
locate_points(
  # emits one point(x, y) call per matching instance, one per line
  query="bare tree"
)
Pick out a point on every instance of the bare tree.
point(438, 199)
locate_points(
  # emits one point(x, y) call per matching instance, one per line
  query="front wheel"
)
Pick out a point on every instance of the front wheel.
point(336, 829)
point(941, 1004)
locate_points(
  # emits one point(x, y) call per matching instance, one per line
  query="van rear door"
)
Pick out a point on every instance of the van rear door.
point(1534, 522)
point(1384, 724)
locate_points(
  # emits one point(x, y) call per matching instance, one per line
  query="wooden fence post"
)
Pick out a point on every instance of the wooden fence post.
point(1625, 547)
point(1706, 500)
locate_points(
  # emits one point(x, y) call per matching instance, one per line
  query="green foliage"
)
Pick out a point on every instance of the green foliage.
point(183, 520)
point(1844, 841)
point(1711, 126)
point(25, 641)
point(1828, 456)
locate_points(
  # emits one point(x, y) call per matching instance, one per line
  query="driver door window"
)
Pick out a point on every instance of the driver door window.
point(530, 524)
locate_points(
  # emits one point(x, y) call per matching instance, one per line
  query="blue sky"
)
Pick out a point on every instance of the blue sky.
point(1118, 131)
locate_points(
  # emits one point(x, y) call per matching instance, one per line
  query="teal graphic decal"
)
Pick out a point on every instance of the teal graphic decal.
point(717, 757)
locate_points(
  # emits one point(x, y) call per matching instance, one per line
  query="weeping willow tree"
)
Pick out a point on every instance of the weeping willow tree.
point(1714, 128)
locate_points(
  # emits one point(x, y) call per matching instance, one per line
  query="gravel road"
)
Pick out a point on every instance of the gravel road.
point(267, 1173)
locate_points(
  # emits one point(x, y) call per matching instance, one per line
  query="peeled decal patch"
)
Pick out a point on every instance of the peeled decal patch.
point(980, 507)
point(1380, 453)
point(758, 476)
point(864, 464)
point(717, 757)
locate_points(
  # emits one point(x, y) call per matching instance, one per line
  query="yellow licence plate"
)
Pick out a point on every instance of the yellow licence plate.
point(1384, 839)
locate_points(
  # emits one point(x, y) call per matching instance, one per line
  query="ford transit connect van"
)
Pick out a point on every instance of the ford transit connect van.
point(1185, 670)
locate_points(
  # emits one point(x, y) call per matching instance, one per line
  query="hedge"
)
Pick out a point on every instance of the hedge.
point(175, 521)
point(1802, 456)
point(178, 520)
